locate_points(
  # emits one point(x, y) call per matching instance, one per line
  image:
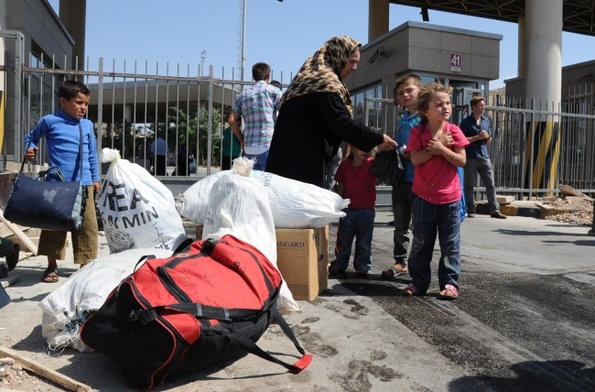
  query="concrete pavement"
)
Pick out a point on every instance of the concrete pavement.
point(363, 334)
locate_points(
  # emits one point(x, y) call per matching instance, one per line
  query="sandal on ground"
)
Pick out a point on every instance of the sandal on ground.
point(50, 275)
point(13, 258)
point(391, 272)
point(411, 290)
point(362, 274)
point(333, 270)
point(449, 292)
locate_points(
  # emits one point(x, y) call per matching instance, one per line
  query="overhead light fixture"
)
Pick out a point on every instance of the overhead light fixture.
point(424, 14)
point(380, 52)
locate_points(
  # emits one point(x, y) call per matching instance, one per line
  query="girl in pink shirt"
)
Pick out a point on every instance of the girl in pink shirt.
point(436, 183)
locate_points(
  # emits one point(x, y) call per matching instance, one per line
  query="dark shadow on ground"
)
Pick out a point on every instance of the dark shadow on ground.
point(551, 376)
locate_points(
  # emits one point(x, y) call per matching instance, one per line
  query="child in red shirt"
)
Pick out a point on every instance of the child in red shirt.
point(358, 184)
point(438, 188)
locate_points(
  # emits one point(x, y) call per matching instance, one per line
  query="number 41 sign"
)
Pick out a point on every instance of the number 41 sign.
point(455, 62)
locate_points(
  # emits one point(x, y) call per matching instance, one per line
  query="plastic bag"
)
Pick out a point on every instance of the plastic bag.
point(387, 167)
point(136, 209)
point(294, 204)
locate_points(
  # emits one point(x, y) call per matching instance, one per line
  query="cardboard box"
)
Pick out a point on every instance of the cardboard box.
point(302, 258)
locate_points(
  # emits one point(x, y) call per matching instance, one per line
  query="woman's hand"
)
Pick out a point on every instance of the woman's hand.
point(388, 144)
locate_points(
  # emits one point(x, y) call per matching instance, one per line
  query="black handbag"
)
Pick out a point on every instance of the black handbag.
point(49, 205)
point(387, 167)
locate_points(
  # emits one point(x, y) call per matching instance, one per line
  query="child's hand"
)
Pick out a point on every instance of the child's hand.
point(30, 153)
point(435, 147)
point(446, 139)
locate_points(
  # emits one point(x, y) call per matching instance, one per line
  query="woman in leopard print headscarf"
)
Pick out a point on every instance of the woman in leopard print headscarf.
point(316, 115)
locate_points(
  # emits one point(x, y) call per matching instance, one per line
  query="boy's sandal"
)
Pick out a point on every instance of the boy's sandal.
point(50, 275)
point(411, 290)
point(361, 274)
point(449, 292)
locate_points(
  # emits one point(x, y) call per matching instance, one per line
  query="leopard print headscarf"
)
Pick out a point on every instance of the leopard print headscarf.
point(322, 71)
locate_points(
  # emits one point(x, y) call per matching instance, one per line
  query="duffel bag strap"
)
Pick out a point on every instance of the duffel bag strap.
point(247, 344)
point(197, 310)
point(201, 311)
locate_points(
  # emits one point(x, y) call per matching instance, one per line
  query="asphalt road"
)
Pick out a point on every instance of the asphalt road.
point(525, 320)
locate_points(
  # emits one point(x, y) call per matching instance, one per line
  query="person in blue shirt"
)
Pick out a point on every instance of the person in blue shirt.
point(478, 131)
point(258, 106)
point(61, 132)
point(405, 94)
point(159, 153)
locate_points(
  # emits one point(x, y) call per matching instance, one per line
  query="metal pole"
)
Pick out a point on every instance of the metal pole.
point(243, 60)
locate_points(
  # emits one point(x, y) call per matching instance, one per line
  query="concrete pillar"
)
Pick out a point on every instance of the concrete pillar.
point(377, 18)
point(73, 14)
point(543, 76)
point(522, 49)
point(543, 37)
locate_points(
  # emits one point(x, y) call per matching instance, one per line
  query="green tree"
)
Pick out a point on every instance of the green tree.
point(192, 130)
point(119, 136)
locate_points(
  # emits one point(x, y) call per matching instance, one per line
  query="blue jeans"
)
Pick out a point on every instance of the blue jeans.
point(260, 160)
point(429, 219)
point(358, 223)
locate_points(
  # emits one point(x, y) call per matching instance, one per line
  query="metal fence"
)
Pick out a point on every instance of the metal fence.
point(534, 150)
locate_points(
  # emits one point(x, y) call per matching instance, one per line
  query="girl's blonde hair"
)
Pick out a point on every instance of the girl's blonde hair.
point(426, 92)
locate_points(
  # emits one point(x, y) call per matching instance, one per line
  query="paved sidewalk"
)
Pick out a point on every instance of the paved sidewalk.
point(357, 345)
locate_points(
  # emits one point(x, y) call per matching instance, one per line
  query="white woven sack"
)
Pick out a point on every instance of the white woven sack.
point(294, 204)
point(238, 206)
point(66, 308)
point(137, 210)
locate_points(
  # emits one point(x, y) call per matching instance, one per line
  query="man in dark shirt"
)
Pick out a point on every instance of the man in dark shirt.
point(476, 128)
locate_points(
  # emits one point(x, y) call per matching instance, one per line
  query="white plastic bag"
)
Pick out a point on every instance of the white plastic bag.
point(136, 209)
point(66, 308)
point(294, 204)
point(237, 206)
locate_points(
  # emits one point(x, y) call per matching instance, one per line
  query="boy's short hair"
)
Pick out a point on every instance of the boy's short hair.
point(70, 88)
point(261, 71)
point(408, 77)
point(475, 100)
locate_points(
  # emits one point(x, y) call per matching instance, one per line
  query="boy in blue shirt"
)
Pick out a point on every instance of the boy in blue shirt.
point(405, 94)
point(61, 132)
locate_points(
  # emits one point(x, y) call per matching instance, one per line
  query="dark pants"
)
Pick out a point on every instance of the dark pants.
point(160, 166)
point(359, 224)
point(402, 199)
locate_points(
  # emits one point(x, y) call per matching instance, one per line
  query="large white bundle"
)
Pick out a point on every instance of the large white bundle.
point(66, 308)
point(237, 206)
point(294, 204)
point(136, 209)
